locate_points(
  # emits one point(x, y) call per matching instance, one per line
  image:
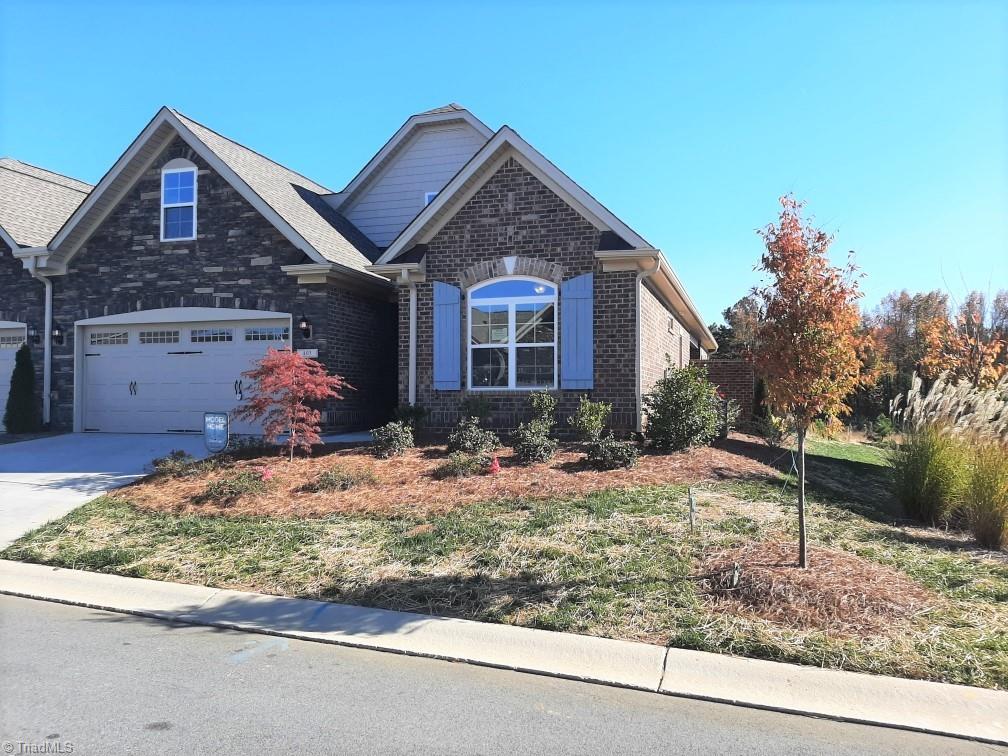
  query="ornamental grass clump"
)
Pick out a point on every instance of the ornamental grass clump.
point(984, 495)
point(236, 485)
point(339, 479)
point(927, 467)
point(462, 465)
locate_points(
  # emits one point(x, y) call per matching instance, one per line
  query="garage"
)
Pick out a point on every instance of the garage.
point(159, 371)
point(12, 336)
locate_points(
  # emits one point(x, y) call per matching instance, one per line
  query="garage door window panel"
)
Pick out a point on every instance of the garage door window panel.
point(210, 335)
point(109, 338)
point(11, 342)
point(159, 337)
point(260, 333)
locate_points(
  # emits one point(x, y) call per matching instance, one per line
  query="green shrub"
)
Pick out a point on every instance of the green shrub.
point(984, 495)
point(391, 440)
point(178, 463)
point(21, 414)
point(683, 409)
point(339, 479)
point(531, 440)
point(927, 467)
point(609, 454)
point(461, 465)
point(475, 405)
point(469, 438)
point(230, 487)
point(590, 418)
point(880, 429)
point(413, 415)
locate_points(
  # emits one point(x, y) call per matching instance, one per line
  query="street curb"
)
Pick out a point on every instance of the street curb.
point(935, 708)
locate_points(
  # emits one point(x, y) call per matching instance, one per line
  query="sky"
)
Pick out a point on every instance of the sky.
point(687, 120)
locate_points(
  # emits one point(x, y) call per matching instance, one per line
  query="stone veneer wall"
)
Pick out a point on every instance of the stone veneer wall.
point(514, 214)
point(234, 263)
point(22, 300)
point(736, 379)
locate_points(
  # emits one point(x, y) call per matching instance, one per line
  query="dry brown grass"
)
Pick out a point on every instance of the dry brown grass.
point(406, 485)
point(839, 593)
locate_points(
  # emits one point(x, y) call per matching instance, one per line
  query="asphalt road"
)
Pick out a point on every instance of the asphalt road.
point(110, 683)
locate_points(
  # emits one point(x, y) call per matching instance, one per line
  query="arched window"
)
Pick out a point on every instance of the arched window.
point(512, 334)
point(178, 200)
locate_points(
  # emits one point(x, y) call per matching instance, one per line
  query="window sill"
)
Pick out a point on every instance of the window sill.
point(179, 239)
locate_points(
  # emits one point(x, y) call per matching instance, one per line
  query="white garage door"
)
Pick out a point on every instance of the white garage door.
point(162, 377)
point(12, 336)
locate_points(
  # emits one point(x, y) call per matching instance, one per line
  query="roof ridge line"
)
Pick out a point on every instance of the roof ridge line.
point(47, 180)
point(245, 147)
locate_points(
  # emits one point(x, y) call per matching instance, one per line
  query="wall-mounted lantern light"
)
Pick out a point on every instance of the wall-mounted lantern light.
point(33, 334)
point(305, 327)
point(57, 334)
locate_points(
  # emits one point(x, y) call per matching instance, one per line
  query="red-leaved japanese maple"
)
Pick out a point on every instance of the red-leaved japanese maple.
point(808, 347)
point(283, 384)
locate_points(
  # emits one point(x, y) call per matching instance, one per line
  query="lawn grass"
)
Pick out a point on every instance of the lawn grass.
point(615, 563)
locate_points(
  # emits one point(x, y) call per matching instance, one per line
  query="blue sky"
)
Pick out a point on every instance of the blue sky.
point(687, 120)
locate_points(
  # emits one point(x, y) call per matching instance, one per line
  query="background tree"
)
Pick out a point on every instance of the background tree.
point(737, 338)
point(283, 383)
point(809, 337)
point(21, 415)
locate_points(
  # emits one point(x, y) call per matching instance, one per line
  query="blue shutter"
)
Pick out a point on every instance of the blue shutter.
point(447, 337)
point(577, 341)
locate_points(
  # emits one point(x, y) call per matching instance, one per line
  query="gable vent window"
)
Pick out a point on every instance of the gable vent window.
point(267, 334)
point(178, 201)
point(108, 338)
point(159, 337)
point(429, 197)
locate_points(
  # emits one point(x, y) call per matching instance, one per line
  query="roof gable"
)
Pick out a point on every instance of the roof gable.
point(290, 201)
point(505, 144)
point(34, 202)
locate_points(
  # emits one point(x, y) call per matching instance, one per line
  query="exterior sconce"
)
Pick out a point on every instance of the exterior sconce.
point(33, 334)
point(305, 326)
point(57, 335)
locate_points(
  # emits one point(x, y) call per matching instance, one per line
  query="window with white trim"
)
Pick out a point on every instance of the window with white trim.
point(512, 334)
point(178, 201)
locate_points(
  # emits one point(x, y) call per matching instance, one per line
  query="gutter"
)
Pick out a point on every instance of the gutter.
point(646, 273)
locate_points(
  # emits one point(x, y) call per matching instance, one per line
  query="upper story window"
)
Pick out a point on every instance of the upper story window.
point(512, 334)
point(178, 201)
point(428, 197)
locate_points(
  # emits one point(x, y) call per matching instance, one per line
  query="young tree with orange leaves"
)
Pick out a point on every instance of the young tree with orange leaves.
point(809, 338)
point(283, 383)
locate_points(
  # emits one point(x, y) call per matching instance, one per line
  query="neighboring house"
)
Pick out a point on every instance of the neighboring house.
point(34, 203)
point(194, 254)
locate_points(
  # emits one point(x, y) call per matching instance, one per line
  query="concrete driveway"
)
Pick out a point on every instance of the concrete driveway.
point(43, 479)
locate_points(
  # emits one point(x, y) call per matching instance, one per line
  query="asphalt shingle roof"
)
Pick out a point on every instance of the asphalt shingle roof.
point(296, 198)
point(35, 203)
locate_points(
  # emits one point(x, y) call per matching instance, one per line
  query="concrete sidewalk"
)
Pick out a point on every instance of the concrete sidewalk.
point(955, 710)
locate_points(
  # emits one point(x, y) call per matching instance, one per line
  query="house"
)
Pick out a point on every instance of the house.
point(459, 261)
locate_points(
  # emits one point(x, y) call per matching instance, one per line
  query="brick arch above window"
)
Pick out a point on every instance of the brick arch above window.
point(511, 266)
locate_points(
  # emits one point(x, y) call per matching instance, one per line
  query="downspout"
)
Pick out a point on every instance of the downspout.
point(646, 273)
point(47, 345)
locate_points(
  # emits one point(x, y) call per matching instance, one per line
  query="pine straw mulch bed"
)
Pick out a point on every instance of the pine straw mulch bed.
point(839, 593)
point(406, 485)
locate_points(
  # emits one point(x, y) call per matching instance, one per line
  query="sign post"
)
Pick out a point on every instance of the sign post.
point(216, 431)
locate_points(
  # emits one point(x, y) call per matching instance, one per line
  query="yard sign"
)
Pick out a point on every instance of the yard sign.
point(216, 431)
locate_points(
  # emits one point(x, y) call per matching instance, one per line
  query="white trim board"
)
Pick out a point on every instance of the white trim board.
point(181, 315)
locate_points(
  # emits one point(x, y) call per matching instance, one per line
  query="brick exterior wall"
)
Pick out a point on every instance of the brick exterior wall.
point(234, 263)
point(737, 381)
point(661, 335)
point(514, 214)
point(22, 300)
